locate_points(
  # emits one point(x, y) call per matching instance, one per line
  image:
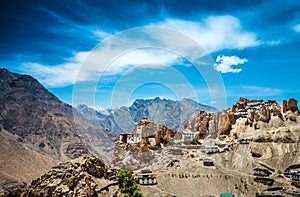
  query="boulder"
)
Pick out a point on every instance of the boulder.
point(292, 105)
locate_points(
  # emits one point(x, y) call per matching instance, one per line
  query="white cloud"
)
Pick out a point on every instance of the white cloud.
point(125, 51)
point(56, 76)
point(297, 28)
point(225, 64)
point(53, 76)
point(215, 33)
point(101, 34)
point(142, 58)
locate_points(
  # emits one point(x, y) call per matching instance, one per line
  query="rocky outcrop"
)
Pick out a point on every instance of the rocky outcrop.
point(292, 105)
point(200, 124)
point(246, 116)
point(227, 124)
point(81, 177)
point(143, 152)
point(211, 125)
point(284, 106)
point(265, 115)
point(164, 135)
point(216, 123)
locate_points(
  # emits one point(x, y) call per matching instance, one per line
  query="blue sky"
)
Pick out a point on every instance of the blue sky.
point(108, 53)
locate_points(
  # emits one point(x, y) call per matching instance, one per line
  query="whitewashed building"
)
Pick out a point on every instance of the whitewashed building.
point(128, 138)
point(133, 138)
point(188, 136)
point(210, 149)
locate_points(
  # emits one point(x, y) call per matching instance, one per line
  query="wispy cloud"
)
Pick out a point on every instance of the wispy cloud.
point(224, 64)
point(212, 34)
point(215, 33)
point(56, 76)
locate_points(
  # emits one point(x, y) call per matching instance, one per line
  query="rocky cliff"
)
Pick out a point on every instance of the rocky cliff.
point(173, 114)
point(146, 150)
point(245, 118)
point(33, 118)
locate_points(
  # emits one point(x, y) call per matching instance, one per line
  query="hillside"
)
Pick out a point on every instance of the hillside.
point(41, 130)
point(173, 114)
point(83, 176)
point(256, 146)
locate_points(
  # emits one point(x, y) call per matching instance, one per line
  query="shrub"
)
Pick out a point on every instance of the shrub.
point(279, 171)
point(116, 193)
point(137, 193)
point(260, 194)
point(127, 184)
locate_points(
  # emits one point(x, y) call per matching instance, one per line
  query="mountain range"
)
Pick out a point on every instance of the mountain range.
point(256, 145)
point(173, 114)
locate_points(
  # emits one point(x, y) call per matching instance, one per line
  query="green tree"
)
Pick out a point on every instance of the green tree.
point(127, 184)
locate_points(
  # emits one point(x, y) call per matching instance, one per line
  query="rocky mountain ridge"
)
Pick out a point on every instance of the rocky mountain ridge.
point(173, 114)
point(32, 118)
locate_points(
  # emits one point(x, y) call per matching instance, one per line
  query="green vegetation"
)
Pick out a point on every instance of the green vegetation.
point(245, 183)
point(183, 175)
point(268, 182)
point(116, 193)
point(279, 171)
point(127, 185)
point(260, 194)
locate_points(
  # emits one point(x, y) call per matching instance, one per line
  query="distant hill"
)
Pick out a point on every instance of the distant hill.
point(37, 130)
point(173, 114)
